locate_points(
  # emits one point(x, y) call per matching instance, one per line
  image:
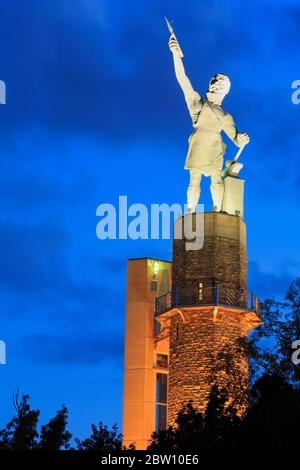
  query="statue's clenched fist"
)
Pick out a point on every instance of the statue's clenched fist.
point(244, 139)
point(173, 44)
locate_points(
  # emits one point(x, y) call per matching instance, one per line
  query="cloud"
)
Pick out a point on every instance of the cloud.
point(268, 284)
point(30, 192)
point(78, 349)
point(112, 75)
point(31, 254)
point(35, 272)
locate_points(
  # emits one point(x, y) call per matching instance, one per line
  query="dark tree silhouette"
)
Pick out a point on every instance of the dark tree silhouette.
point(194, 431)
point(184, 436)
point(270, 345)
point(221, 422)
point(21, 432)
point(274, 403)
point(271, 423)
point(54, 435)
point(273, 419)
point(101, 439)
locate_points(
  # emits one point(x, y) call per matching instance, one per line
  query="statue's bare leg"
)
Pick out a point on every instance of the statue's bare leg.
point(193, 192)
point(217, 189)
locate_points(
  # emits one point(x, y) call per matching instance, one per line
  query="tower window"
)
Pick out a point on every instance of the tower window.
point(200, 291)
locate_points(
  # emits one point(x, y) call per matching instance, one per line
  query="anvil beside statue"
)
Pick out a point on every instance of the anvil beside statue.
point(233, 200)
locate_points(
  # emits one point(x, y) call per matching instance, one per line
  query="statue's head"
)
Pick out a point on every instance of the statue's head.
point(218, 88)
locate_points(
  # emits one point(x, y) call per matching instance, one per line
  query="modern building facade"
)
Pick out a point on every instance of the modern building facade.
point(146, 360)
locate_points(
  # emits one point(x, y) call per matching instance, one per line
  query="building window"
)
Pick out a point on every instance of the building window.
point(161, 401)
point(200, 291)
point(162, 360)
point(161, 417)
point(153, 286)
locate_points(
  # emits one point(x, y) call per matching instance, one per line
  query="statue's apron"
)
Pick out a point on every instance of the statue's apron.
point(206, 148)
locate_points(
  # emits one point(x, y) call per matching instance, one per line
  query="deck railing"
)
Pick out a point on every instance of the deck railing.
point(190, 296)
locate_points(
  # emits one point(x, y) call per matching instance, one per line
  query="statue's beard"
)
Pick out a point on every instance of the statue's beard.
point(215, 97)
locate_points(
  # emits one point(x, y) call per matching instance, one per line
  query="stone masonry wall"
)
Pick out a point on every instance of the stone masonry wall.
point(221, 261)
point(204, 352)
point(204, 349)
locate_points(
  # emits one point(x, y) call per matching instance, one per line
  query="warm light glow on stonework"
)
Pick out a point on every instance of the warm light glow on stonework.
point(192, 343)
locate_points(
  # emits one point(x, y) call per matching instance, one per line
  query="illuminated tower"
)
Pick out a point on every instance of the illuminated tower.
point(209, 314)
point(190, 334)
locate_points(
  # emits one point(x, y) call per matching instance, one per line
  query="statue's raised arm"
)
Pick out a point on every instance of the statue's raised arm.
point(181, 76)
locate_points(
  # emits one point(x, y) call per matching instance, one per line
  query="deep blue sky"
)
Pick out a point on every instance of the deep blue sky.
point(94, 111)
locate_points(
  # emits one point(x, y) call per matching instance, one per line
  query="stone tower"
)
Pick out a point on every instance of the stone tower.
point(208, 315)
point(186, 325)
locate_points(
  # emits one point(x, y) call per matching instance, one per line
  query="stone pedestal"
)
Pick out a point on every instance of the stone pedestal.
point(211, 317)
point(222, 261)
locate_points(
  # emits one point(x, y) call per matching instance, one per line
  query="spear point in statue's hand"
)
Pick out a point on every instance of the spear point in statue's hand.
point(173, 37)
